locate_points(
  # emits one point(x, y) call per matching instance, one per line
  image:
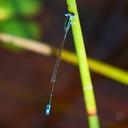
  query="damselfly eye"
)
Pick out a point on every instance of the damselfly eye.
point(69, 14)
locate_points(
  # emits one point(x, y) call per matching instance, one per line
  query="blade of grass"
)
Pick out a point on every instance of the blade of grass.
point(89, 97)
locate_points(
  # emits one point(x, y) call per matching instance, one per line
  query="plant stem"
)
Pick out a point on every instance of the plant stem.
point(89, 98)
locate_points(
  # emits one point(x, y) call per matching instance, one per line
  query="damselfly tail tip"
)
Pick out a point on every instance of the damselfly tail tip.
point(47, 109)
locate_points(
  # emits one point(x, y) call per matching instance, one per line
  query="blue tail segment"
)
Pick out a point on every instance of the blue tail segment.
point(47, 109)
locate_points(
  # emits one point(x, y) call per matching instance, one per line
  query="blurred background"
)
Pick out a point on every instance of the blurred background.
point(25, 76)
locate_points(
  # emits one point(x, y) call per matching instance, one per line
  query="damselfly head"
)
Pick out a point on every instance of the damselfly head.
point(69, 14)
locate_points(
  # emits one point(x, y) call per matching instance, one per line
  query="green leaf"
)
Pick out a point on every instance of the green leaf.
point(11, 8)
point(21, 28)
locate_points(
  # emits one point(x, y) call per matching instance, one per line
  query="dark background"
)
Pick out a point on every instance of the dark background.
point(25, 76)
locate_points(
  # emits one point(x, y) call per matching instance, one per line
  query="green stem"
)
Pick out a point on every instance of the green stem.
point(87, 87)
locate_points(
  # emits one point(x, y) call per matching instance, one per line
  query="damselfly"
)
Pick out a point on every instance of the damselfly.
point(67, 24)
